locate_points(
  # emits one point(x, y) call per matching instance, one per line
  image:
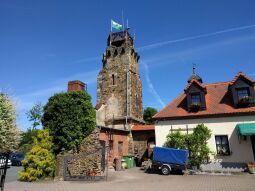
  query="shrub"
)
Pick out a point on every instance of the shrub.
point(176, 140)
point(39, 162)
point(195, 143)
point(246, 101)
point(195, 106)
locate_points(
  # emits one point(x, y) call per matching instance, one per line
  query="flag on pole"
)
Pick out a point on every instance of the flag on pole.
point(115, 25)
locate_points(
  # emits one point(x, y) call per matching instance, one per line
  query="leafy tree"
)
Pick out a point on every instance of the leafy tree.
point(195, 143)
point(148, 114)
point(39, 162)
point(26, 142)
point(9, 133)
point(35, 115)
point(69, 117)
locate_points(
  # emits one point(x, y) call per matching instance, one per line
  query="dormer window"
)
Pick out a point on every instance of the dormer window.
point(195, 93)
point(242, 89)
point(195, 102)
point(195, 98)
point(243, 93)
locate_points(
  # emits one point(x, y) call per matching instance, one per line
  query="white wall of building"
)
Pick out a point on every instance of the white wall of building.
point(240, 151)
point(100, 116)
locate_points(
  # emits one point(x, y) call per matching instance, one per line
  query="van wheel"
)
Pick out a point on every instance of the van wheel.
point(165, 170)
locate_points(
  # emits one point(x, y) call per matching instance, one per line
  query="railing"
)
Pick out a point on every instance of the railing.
point(3, 169)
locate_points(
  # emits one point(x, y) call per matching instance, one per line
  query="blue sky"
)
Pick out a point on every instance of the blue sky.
point(46, 43)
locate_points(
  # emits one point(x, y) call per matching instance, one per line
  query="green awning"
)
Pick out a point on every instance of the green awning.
point(246, 129)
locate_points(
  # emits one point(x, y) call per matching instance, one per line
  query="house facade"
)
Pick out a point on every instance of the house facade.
point(226, 108)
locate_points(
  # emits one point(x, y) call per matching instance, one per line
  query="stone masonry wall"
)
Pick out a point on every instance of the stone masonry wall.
point(121, 92)
point(85, 163)
point(88, 161)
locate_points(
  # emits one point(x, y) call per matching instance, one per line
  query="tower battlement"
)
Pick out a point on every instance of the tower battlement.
point(117, 38)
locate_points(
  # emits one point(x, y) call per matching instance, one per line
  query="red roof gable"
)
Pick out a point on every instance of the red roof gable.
point(240, 74)
point(193, 81)
point(143, 128)
point(218, 102)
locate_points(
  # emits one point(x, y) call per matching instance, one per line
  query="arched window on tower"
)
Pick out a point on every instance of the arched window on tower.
point(113, 79)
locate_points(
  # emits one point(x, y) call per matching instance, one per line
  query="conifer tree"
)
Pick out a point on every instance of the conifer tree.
point(39, 162)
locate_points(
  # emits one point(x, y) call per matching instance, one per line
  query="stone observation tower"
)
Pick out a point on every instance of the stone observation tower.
point(119, 89)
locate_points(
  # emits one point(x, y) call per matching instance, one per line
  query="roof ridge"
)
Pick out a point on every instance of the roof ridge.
point(170, 103)
point(192, 82)
point(243, 75)
point(216, 83)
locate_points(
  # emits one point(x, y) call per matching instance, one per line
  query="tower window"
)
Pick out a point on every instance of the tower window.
point(115, 53)
point(113, 79)
point(108, 53)
point(122, 51)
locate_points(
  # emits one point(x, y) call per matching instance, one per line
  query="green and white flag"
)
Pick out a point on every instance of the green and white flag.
point(115, 25)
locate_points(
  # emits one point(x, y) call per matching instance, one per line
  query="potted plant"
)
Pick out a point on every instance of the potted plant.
point(195, 106)
point(251, 167)
point(245, 101)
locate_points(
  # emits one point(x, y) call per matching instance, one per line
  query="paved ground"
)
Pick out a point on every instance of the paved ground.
point(12, 174)
point(136, 180)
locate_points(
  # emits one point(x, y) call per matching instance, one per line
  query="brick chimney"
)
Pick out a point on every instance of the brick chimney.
point(76, 85)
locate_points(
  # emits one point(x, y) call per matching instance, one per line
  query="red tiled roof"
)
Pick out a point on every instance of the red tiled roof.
point(193, 81)
point(218, 102)
point(240, 74)
point(98, 106)
point(143, 128)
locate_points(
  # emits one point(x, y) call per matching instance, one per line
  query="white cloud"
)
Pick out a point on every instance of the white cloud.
point(178, 55)
point(159, 44)
point(150, 85)
point(61, 84)
point(26, 101)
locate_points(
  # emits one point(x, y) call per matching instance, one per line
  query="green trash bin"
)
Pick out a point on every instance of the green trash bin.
point(129, 159)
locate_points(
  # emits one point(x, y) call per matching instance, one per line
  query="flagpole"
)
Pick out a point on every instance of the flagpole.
point(122, 20)
point(111, 25)
point(111, 34)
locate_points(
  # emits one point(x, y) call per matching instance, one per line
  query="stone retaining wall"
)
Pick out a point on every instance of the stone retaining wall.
point(85, 163)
